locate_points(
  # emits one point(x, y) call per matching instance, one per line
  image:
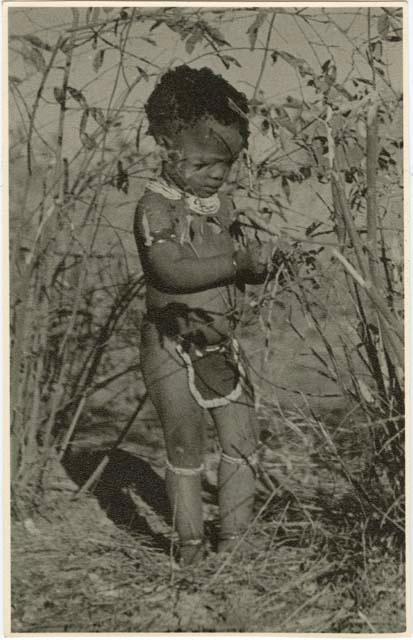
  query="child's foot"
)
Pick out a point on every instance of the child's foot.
point(192, 552)
point(228, 543)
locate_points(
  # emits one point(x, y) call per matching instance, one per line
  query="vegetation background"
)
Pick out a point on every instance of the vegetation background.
point(92, 538)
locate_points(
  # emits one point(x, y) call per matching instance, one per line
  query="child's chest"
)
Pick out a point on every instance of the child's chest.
point(204, 235)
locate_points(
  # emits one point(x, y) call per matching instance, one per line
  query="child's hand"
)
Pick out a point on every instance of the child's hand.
point(254, 258)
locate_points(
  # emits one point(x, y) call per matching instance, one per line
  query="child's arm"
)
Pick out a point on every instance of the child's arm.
point(171, 271)
point(174, 273)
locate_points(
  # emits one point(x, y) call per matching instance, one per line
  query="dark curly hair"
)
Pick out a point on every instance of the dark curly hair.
point(184, 96)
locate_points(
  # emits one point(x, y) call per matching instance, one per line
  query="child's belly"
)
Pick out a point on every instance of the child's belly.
point(206, 315)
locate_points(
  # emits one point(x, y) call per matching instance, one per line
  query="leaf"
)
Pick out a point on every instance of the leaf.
point(34, 57)
point(283, 119)
point(395, 37)
point(179, 26)
point(98, 59)
point(331, 74)
point(383, 24)
point(365, 391)
point(193, 40)
point(59, 95)
point(363, 81)
point(216, 35)
point(98, 115)
point(78, 96)
point(293, 103)
point(156, 24)
point(87, 141)
point(149, 40)
point(67, 45)
point(83, 121)
point(143, 73)
point(253, 29)
point(285, 185)
point(95, 14)
point(37, 42)
point(305, 171)
point(265, 126)
point(377, 48)
point(312, 227)
point(122, 178)
point(138, 136)
point(228, 60)
point(325, 66)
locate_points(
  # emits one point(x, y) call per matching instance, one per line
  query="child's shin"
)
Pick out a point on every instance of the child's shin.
point(184, 491)
point(236, 498)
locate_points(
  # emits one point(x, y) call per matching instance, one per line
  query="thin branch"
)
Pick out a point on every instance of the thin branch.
point(37, 101)
point(265, 57)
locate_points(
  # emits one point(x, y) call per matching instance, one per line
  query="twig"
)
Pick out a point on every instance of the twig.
point(37, 101)
point(71, 428)
point(264, 59)
point(240, 541)
point(368, 286)
point(365, 619)
point(371, 171)
point(62, 112)
point(106, 458)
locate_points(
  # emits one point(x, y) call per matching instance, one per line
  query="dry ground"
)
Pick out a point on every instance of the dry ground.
point(104, 562)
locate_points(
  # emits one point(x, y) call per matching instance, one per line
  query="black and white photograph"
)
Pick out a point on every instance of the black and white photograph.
point(206, 317)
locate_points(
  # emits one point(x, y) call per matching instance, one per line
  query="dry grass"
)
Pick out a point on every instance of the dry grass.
point(311, 561)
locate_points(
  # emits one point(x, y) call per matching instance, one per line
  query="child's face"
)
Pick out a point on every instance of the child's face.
point(201, 156)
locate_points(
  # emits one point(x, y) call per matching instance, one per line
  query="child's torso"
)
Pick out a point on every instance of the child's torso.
point(209, 314)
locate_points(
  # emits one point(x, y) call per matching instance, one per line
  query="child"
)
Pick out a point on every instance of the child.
point(196, 269)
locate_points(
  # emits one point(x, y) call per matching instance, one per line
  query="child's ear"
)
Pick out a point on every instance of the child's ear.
point(165, 142)
point(164, 145)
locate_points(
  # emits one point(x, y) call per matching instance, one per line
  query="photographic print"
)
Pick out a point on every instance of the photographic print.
point(206, 317)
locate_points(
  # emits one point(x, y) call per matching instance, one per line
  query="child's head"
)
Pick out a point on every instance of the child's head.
point(201, 120)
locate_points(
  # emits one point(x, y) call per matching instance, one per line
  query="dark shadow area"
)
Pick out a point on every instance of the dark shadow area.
point(124, 471)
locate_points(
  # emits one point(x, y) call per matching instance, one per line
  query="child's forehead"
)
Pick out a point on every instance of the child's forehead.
point(208, 136)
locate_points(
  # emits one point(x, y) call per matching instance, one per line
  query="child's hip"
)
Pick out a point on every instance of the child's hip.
point(215, 374)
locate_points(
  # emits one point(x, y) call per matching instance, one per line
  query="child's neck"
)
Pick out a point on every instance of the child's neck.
point(203, 206)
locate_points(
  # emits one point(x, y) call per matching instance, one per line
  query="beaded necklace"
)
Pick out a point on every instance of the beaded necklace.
point(202, 206)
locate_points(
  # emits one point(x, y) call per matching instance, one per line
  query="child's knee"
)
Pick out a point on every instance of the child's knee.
point(184, 444)
point(182, 454)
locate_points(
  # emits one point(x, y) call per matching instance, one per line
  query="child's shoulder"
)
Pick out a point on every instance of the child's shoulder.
point(153, 208)
point(153, 220)
point(150, 201)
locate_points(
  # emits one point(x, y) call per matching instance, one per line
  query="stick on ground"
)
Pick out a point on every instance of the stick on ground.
point(93, 479)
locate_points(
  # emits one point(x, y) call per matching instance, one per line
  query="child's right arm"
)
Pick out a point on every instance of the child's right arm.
point(169, 269)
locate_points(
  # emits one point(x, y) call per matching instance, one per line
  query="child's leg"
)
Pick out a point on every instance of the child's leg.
point(182, 421)
point(238, 435)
